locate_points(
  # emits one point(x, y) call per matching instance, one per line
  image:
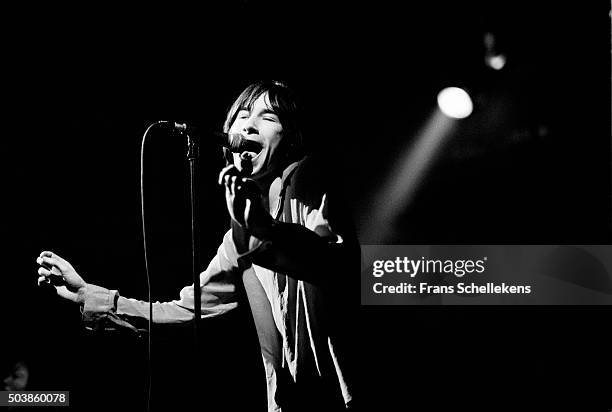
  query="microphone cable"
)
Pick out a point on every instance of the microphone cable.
point(146, 259)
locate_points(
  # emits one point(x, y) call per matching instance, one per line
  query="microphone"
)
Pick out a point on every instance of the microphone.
point(235, 142)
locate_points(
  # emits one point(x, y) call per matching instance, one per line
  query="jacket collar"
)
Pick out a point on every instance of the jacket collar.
point(277, 189)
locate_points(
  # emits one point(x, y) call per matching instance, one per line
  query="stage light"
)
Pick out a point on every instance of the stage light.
point(493, 58)
point(455, 103)
point(496, 62)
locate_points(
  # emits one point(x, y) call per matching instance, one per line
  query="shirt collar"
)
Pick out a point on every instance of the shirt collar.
point(277, 189)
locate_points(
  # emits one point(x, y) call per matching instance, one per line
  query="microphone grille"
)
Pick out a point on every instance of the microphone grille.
point(180, 127)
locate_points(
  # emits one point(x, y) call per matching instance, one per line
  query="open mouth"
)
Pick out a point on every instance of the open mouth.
point(252, 148)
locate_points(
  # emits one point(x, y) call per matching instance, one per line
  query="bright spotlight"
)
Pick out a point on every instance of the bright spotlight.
point(455, 103)
point(496, 62)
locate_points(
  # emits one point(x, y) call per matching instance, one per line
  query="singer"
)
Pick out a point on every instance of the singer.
point(290, 247)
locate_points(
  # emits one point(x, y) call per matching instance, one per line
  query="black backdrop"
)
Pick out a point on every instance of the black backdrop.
point(83, 84)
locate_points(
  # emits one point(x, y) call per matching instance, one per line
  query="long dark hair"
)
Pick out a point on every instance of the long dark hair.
point(284, 103)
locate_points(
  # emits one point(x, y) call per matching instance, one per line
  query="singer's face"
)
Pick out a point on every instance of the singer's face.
point(261, 125)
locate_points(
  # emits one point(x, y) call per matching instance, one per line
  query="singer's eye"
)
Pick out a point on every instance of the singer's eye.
point(243, 114)
point(271, 118)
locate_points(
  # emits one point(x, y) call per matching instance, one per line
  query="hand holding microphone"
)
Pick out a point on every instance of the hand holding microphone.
point(243, 197)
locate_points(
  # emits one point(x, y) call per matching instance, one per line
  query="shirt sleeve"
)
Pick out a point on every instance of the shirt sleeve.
point(106, 309)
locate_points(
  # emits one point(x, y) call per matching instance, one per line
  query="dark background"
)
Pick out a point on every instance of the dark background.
point(531, 166)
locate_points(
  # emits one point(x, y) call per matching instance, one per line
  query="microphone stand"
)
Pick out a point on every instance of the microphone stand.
point(192, 157)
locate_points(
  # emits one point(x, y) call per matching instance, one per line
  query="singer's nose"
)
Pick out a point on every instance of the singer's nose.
point(249, 126)
point(247, 130)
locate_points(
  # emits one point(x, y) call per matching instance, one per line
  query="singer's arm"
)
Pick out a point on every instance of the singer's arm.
point(313, 238)
point(312, 252)
point(105, 308)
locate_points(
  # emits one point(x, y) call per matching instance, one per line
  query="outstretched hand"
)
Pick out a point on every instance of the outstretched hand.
point(244, 201)
point(60, 273)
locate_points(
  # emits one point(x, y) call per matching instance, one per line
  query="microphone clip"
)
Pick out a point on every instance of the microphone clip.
point(192, 143)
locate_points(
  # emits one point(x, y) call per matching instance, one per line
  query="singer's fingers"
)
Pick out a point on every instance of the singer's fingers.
point(231, 204)
point(44, 272)
point(233, 185)
point(247, 211)
point(48, 262)
point(226, 182)
point(227, 170)
point(230, 183)
point(59, 260)
point(41, 279)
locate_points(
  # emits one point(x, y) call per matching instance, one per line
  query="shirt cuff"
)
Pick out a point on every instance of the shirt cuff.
point(99, 299)
point(99, 304)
